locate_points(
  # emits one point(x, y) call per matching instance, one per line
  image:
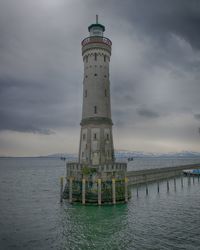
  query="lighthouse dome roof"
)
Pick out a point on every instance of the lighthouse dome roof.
point(96, 25)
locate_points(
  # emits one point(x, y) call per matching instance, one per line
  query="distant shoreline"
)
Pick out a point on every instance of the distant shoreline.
point(121, 157)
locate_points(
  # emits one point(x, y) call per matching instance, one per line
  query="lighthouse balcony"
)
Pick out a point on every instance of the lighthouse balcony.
point(96, 39)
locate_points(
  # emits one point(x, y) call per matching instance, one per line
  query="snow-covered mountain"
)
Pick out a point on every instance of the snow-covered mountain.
point(127, 154)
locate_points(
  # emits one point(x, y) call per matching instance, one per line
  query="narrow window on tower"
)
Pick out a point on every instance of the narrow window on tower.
point(107, 136)
point(104, 58)
point(83, 136)
point(95, 109)
point(86, 58)
point(95, 56)
point(86, 93)
point(95, 136)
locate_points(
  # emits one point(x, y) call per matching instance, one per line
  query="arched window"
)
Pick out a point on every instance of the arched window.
point(95, 109)
point(95, 56)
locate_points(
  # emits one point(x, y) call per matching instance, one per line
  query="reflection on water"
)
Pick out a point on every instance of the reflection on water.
point(93, 226)
point(32, 218)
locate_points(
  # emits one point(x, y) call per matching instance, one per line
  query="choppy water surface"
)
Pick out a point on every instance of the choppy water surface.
point(31, 216)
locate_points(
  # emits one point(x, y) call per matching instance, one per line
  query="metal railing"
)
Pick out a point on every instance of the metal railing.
point(96, 39)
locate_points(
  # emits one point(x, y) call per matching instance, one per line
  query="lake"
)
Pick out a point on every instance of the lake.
point(32, 217)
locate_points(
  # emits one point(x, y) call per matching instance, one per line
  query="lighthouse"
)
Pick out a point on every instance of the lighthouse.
point(96, 177)
point(96, 140)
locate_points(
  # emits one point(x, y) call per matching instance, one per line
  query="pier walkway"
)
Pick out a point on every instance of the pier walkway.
point(150, 175)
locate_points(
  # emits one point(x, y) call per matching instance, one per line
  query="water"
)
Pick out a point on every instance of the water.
point(31, 216)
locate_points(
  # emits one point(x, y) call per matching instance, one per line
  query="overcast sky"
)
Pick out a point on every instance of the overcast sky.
point(154, 73)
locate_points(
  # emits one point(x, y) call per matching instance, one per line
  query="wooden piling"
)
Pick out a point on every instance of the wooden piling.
point(137, 190)
point(70, 189)
point(126, 189)
point(147, 191)
point(158, 187)
point(189, 180)
point(113, 191)
point(182, 181)
point(174, 184)
point(99, 191)
point(61, 188)
point(167, 185)
point(83, 191)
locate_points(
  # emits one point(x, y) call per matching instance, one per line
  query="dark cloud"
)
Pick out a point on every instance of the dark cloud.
point(158, 18)
point(154, 71)
point(147, 113)
point(197, 116)
point(34, 107)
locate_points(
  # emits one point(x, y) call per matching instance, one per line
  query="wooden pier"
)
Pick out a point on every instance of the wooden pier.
point(156, 174)
point(118, 189)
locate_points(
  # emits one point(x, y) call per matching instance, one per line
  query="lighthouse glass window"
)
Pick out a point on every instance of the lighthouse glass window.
point(96, 31)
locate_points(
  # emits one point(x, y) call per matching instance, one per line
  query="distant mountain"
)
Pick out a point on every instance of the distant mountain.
point(125, 154)
point(66, 156)
point(136, 154)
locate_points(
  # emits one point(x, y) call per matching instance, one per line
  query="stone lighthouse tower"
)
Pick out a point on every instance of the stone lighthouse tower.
point(96, 177)
point(96, 141)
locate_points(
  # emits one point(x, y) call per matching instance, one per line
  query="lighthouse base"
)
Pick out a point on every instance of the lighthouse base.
point(97, 187)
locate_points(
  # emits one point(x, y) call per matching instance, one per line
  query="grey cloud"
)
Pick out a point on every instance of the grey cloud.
point(147, 113)
point(37, 69)
point(155, 61)
point(158, 18)
point(32, 107)
point(197, 116)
